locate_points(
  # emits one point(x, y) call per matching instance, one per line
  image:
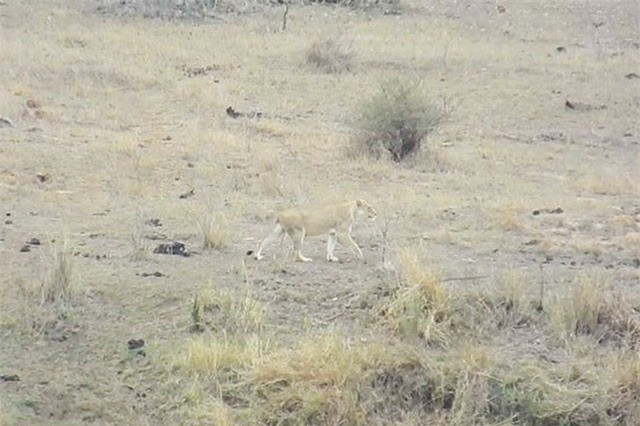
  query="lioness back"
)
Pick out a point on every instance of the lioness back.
point(316, 220)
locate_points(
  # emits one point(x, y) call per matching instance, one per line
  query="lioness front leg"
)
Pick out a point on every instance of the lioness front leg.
point(277, 231)
point(353, 243)
point(331, 246)
point(298, 239)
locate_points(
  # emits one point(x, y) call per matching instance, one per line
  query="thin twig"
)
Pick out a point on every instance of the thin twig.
point(284, 16)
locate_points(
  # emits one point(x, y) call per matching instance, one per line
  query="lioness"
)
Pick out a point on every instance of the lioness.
point(332, 219)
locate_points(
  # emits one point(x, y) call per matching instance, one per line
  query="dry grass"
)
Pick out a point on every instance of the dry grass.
point(60, 285)
point(593, 306)
point(6, 416)
point(421, 306)
point(41, 305)
point(330, 56)
point(216, 232)
point(226, 310)
point(141, 121)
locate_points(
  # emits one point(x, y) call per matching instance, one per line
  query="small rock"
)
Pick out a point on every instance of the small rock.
point(34, 242)
point(43, 177)
point(154, 222)
point(25, 249)
point(6, 122)
point(32, 103)
point(135, 344)
point(10, 378)
point(157, 274)
point(187, 194)
point(176, 248)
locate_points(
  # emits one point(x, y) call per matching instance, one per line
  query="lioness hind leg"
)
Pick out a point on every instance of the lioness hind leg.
point(353, 243)
point(278, 231)
point(298, 239)
point(331, 246)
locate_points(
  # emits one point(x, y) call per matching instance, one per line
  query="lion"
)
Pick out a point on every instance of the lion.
point(333, 219)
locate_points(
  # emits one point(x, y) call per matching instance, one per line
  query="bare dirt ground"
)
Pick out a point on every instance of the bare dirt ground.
point(112, 120)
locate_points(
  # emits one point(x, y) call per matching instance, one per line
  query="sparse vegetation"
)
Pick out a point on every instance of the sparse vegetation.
point(196, 316)
point(498, 284)
point(216, 232)
point(592, 306)
point(421, 305)
point(43, 305)
point(396, 119)
point(59, 287)
point(225, 310)
point(329, 55)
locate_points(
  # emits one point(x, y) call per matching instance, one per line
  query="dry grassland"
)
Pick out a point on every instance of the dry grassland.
point(477, 301)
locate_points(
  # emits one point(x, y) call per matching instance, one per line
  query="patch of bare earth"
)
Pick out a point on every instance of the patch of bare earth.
point(141, 159)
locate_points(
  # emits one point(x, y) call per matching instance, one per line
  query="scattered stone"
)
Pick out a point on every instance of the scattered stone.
point(34, 242)
point(6, 122)
point(631, 75)
point(232, 113)
point(32, 103)
point(8, 222)
point(557, 210)
point(176, 248)
point(152, 274)
point(561, 49)
point(578, 106)
point(188, 194)
point(167, 138)
point(154, 222)
point(135, 344)
point(43, 177)
point(199, 71)
point(25, 249)
point(10, 378)
point(235, 114)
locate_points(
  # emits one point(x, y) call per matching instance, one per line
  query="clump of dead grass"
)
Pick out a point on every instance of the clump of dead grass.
point(421, 305)
point(329, 55)
point(37, 307)
point(593, 306)
point(59, 287)
point(230, 311)
point(216, 232)
point(321, 379)
point(140, 248)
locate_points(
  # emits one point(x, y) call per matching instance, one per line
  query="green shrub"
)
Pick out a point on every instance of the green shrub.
point(396, 119)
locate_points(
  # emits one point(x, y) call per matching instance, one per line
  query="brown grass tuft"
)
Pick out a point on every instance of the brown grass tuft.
point(216, 232)
point(329, 56)
point(593, 306)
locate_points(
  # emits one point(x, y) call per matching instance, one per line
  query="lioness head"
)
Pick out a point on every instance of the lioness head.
point(371, 213)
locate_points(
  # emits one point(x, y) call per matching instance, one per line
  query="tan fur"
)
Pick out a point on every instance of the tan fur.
point(332, 219)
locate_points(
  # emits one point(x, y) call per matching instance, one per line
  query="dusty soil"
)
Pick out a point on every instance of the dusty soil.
point(113, 119)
